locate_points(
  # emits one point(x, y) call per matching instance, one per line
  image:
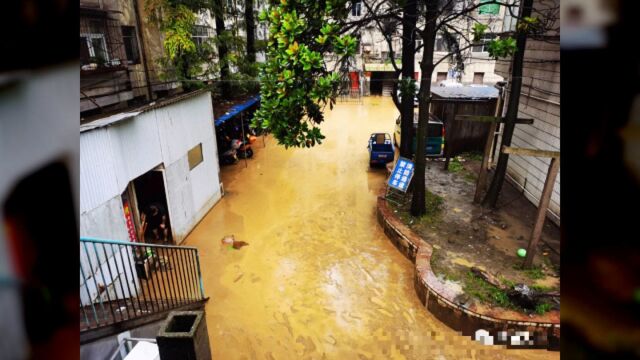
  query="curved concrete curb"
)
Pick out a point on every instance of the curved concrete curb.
point(439, 299)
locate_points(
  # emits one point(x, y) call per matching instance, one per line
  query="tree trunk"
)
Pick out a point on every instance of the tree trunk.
point(418, 206)
point(491, 199)
point(250, 27)
point(408, 56)
point(222, 47)
point(394, 92)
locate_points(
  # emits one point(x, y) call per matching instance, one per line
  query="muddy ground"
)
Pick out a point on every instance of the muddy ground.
point(465, 235)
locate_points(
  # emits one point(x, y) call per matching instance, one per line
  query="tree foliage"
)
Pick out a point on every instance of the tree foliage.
point(193, 63)
point(182, 60)
point(295, 83)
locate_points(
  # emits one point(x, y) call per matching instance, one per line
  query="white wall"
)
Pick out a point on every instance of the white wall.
point(111, 157)
point(539, 100)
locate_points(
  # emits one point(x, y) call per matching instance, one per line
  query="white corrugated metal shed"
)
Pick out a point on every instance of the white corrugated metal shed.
point(116, 151)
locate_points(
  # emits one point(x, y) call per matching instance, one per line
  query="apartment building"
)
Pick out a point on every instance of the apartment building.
point(372, 64)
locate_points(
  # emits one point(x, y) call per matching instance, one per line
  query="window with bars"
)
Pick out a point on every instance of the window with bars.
point(131, 44)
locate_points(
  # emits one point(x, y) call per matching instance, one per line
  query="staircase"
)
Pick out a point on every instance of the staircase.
point(126, 284)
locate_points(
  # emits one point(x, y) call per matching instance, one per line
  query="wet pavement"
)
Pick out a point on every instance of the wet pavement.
point(319, 279)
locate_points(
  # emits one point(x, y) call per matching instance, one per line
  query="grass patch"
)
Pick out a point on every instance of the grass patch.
point(434, 204)
point(534, 273)
point(542, 288)
point(508, 283)
point(482, 290)
point(470, 176)
point(542, 308)
point(455, 165)
point(472, 155)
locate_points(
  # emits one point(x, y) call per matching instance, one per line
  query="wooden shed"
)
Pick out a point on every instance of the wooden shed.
point(448, 102)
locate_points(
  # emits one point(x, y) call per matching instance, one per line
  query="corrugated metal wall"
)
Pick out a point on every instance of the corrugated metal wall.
point(111, 157)
point(540, 100)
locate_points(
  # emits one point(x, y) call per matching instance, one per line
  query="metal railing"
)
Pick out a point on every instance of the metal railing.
point(122, 280)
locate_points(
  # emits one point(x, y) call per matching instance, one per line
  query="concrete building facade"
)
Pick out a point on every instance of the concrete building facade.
point(372, 61)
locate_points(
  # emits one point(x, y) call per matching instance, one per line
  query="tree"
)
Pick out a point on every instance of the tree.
point(408, 90)
point(296, 84)
point(441, 17)
point(388, 28)
point(191, 63)
point(182, 59)
point(250, 30)
point(217, 9)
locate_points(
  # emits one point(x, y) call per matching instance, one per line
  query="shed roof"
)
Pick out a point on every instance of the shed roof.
point(465, 92)
point(115, 118)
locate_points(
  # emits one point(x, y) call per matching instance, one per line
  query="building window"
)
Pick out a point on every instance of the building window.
point(95, 46)
point(195, 156)
point(478, 77)
point(481, 46)
point(356, 8)
point(131, 44)
point(441, 45)
point(200, 35)
point(441, 76)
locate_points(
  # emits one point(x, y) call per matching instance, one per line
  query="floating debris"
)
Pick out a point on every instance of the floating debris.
point(232, 242)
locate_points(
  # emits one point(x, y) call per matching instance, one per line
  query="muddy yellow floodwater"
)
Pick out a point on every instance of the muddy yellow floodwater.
point(319, 279)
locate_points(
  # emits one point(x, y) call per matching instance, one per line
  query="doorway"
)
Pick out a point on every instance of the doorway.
point(150, 191)
point(377, 77)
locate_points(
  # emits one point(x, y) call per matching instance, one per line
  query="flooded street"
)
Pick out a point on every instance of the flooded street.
point(319, 279)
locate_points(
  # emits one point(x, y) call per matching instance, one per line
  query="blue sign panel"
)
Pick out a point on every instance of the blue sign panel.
point(401, 175)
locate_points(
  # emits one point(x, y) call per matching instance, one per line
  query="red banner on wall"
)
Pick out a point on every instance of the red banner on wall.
point(129, 219)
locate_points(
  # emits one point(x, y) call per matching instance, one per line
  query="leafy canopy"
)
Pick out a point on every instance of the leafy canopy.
point(295, 85)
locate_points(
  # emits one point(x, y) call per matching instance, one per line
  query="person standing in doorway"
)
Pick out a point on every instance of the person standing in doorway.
point(157, 222)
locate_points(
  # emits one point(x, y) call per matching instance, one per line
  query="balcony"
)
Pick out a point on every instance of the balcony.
point(125, 284)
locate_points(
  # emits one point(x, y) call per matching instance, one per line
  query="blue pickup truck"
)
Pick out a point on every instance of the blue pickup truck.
point(381, 150)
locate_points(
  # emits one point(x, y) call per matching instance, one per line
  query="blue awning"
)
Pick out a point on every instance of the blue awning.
point(236, 109)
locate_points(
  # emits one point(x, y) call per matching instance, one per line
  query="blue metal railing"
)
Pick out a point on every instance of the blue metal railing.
point(122, 280)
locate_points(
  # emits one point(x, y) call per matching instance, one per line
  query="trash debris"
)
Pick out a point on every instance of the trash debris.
point(231, 240)
point(522, 295)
